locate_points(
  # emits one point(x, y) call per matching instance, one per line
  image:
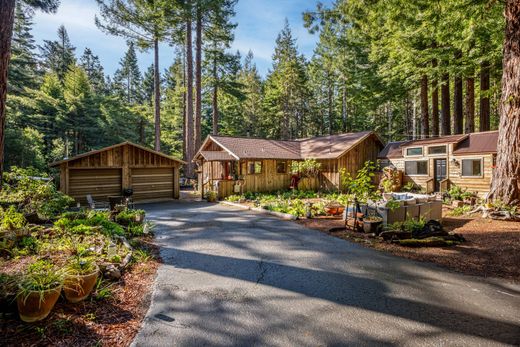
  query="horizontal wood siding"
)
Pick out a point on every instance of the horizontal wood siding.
point(107, 172)
point(479, 185)
point(152, 184)
point(99, 183)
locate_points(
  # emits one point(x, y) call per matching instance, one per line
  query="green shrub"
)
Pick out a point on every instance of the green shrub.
point(306, 168)
point(28, 245)
point(128, 216)
point(361, 185)
point(35, 195)
point(459, 211)
point(235, 198)
point(11, 219)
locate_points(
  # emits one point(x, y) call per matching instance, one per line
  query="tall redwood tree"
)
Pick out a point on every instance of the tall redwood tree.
point(506, 176)
point(6, 32)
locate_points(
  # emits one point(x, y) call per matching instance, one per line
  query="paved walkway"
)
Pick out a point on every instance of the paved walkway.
point(236, 278)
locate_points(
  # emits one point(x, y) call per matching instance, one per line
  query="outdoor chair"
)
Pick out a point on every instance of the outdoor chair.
point(97, 205)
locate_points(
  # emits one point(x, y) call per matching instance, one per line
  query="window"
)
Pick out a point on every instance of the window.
point(254, 167)
point(437, 150)
point(471, 167)
point(419, 167)
point(414, 151)
point(281, 167)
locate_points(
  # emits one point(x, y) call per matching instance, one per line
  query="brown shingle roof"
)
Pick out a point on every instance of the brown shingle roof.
point(216, 155)
point(392, 150)
point(326, 147)
point(253, 148)
point(433, 140)
point(484, 142)
point(331, 147)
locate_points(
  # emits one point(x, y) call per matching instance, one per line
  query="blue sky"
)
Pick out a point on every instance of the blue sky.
point(259, 22)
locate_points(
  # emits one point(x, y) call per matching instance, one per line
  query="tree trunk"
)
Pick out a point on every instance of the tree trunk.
point(457, 101)
point(484, 97)
point(330, 111)
point(435, 105)
point(445, 105)
point(344, 108)
point(214, 103)
point(198, 78)
point(157, 95)
point(184, 96)
point(190, 146)
point(6, 32)
point(470, 105)
point(506, 176)
point(414, 117)
point(425, 121)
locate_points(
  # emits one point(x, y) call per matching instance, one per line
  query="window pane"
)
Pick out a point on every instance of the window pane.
point(251, 167)
point(422, 167)
point(476, 168)
point(258, 167)
point(437, 150)
point(419, 167)
point(471, 167)
point(281, 167)
point(414, 151)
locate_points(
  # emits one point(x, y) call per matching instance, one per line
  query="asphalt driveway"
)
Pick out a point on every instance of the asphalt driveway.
point(236, 278)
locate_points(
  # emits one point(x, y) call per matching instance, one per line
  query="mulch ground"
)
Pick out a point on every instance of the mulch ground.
point(492, 248)
point(110, 322)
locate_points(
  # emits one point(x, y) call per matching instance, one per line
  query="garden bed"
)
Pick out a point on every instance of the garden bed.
point(110, 317)
point(78, 277)
point(492, 248)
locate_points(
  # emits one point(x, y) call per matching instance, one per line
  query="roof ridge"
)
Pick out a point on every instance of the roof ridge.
point(252, 138)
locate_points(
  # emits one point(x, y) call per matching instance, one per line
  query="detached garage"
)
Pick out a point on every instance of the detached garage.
point(152, 175)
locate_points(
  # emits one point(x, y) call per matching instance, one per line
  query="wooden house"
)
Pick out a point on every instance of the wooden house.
point(231, 165)
point(434, 164)
point(152, 175)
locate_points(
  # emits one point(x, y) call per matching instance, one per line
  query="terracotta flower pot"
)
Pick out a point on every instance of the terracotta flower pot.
point(78, 287)
point(37, 305)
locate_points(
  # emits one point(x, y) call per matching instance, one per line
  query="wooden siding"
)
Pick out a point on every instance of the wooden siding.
point(351, 161)
point(269, 180)
point(151, 175)
point(100, 184)
point(479, 185)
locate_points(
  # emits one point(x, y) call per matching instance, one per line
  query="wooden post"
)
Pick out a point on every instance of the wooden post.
point(176, 188)
point(126, 174)
point(64, 178)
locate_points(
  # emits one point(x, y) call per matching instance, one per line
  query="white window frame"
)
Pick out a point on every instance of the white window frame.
point(437, 154)
point(413, 155)
point(472, 176)
point(420, 175)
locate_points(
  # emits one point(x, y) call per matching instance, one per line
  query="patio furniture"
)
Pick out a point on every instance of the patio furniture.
point(97, 205)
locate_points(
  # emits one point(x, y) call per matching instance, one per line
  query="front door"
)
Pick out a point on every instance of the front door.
point(440, 172)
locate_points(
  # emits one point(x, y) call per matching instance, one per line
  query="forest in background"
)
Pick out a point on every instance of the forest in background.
point(404, 69)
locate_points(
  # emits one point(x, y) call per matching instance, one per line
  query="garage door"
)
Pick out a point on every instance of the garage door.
point(152, 184)
point(100, 183)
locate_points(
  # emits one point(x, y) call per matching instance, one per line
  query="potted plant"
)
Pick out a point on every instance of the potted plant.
point(211, 196)
point(334, 208)
point(80, 279)
point(39, 290)
point(371, 224)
